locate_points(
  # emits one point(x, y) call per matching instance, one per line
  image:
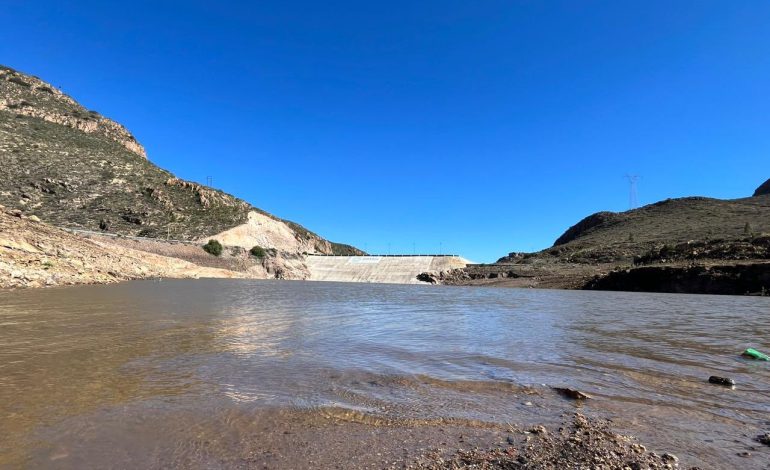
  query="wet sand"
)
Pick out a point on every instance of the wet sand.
point(339, 439)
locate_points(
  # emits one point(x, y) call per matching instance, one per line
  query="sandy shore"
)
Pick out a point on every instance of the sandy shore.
point(335, 439)
point(578, 443)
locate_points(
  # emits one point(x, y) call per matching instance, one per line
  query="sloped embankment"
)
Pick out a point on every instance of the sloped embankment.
point(34, 254)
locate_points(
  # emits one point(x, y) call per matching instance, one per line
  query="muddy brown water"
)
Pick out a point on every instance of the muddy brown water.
point(182, 373)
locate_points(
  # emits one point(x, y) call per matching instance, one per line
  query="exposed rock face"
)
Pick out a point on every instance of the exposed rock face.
point(205, 197)
point(449, 277)
point(734, 279)
point(748, 248)
point(763, 190)
point(268, 232)
point(29, 96)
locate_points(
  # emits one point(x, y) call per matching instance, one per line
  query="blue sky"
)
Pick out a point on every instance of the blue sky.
point(473, 127)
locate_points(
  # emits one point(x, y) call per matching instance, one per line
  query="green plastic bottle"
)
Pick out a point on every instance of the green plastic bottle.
point(754, 354)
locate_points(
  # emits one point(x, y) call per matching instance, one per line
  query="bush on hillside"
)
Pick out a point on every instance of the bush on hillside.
point(213, 247)
point(257, 251)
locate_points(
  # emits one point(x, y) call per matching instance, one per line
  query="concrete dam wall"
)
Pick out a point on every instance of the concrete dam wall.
point(383, 269)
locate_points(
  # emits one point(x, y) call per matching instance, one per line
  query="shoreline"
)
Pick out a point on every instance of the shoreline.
point(34, 254)
point(290, 438)
point(709, 277)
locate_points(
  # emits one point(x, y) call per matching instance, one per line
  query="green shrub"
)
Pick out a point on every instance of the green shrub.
point(213, 247)
point(257, 251)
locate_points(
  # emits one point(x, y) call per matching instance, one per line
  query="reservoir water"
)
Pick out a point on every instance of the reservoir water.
point(127, 375)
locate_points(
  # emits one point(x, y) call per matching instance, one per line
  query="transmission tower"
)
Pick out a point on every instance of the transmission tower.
point(633, 200)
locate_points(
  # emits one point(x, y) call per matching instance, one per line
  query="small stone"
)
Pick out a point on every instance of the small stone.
point(725, 381)
point(580, 421)
point(538, 430)
point(764, 439)
point(34, 218)
point(573, 394)
point(669, 458)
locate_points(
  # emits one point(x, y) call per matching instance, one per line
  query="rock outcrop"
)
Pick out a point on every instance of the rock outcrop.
point(29, 96)
point(732, 279)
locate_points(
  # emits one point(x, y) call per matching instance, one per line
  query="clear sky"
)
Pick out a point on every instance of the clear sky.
point(474, 127)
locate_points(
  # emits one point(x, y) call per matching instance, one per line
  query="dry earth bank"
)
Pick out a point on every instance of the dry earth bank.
point(34, 254)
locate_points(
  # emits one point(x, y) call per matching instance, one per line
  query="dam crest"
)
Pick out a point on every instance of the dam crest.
point(386, 269)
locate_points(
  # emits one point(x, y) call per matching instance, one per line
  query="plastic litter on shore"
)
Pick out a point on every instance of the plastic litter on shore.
point(754, 354)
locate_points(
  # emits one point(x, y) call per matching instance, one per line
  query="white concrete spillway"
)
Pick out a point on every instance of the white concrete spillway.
point(384, 269)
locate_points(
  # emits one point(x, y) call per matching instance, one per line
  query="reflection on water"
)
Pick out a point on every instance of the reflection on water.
point(84, 368)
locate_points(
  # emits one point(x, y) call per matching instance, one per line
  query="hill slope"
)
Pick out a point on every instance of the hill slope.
point(619, 237)
point(692, 244)
point(77, 169)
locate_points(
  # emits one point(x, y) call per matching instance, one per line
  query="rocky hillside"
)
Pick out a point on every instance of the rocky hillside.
point(74, 168)
point(617, 237)
point(702, 243)
point(24, 95)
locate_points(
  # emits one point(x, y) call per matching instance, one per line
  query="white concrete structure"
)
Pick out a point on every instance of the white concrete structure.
point(384, 269)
